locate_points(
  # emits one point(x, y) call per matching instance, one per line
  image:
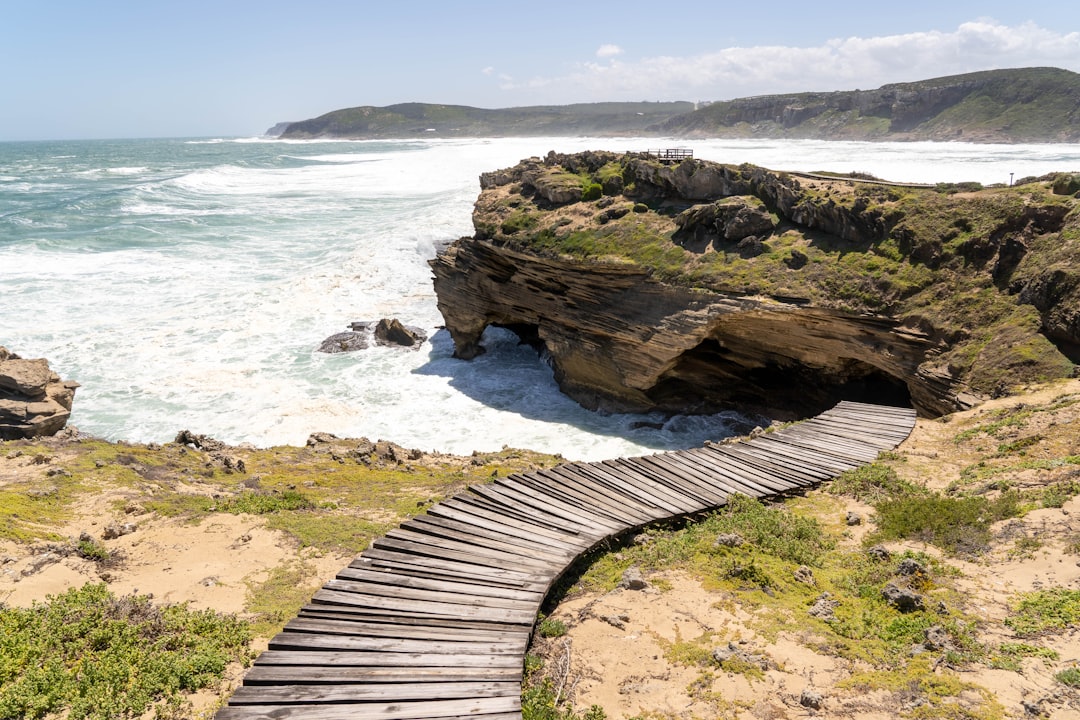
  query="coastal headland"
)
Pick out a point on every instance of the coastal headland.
point(696, 285)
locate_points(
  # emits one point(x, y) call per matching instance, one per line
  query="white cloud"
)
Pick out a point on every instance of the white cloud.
point(838, 64)
point(606, 51)
point(488, 70)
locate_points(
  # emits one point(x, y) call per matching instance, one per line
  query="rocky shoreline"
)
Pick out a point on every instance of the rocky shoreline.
point(700, 285)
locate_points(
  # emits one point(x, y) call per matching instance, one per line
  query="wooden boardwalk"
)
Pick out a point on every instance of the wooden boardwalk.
point(433, 620)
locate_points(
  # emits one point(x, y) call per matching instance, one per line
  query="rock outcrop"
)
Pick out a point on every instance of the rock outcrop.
point(34, 400)
point(717, 286)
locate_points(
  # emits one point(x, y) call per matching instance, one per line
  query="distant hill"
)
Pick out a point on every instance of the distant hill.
point(422, 119)
point(1024, 105)
point(1020, 105)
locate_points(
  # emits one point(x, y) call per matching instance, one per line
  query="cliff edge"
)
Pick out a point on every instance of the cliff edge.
point(697, 286)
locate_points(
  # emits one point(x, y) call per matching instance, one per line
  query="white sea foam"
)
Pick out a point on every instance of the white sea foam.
point(193, 293)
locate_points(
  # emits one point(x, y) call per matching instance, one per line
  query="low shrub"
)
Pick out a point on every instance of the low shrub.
point(88, 655)
point(960, 526)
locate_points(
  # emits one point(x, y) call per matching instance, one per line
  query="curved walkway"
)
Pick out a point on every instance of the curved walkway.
point(433, 620)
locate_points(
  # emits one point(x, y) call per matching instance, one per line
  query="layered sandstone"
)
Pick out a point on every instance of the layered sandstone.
point(33, 399)
point(699, 286)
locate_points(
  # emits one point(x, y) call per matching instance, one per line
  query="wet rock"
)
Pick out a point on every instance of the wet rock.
point(632, 579)
point(344, 342)
point(902, 599)
point(392, 332)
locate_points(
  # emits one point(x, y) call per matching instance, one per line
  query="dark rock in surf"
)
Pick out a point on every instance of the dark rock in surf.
point(344, 342)
point(392, 332)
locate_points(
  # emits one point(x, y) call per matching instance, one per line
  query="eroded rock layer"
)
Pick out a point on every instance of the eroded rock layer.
point(698, 286)
point(33, 399)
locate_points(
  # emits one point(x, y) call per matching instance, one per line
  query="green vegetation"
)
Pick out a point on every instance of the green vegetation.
point(89, 655)
point(551, 628)
point(959, 525)
point(1045, 611)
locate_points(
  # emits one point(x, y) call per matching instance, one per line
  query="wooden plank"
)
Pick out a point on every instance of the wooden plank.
point(820, 448)
point(809, 455)
point(307, 641)
point(628, 486)
point(698, 468)
point(488, 497)
point(343, 658)
point(631, 474)
point(547, 502)
point(502, 496)
point(337, 626)
point(366, 588)
point(814, 464)
point(426, 607)
point(426, 523)
point(677, 481)
point(585, 493)
point(375, 711)
point(380, 616)
point(476, 549)
point(448, 569)
point(401, 580)
point(710, 489)
point(474, 514)
point(645, 509)
point(547, 497)
point(272, 674)
point(757, 483)
point(839, 446)
point(778, 465)
point(462, 556)
point(263, 695)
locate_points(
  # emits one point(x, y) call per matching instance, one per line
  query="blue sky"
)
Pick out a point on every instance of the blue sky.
point(107, 69)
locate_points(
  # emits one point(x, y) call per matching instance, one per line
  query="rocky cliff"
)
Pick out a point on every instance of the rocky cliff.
point(33, 399)
point(697, 286)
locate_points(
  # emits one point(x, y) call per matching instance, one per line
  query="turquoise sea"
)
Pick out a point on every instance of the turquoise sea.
point(187, 282)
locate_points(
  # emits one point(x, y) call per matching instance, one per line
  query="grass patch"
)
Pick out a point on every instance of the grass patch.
point(958, 525)
point(275, 600)
point(1045, 611)
point(874, 483)
point(551, 628)
point(1069, 676)
point(88, 655)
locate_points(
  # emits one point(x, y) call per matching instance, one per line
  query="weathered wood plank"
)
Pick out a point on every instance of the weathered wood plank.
point(306, 693)
point(345, 658)
point(286, 674)
point(391, 710)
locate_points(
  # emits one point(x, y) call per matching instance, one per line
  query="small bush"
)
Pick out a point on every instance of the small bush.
point(517, 222)
point(592, 191)
point(88, 549)
point(87, 655)
point(1045, 611)
point(873, 483)
point(551, 628)
point(1070, 677)
point(960, 526)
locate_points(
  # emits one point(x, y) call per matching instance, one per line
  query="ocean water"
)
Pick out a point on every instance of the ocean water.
point(186, 284)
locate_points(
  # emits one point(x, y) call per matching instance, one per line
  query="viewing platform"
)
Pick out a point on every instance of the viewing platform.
point(434, 619)
point(671, 156)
